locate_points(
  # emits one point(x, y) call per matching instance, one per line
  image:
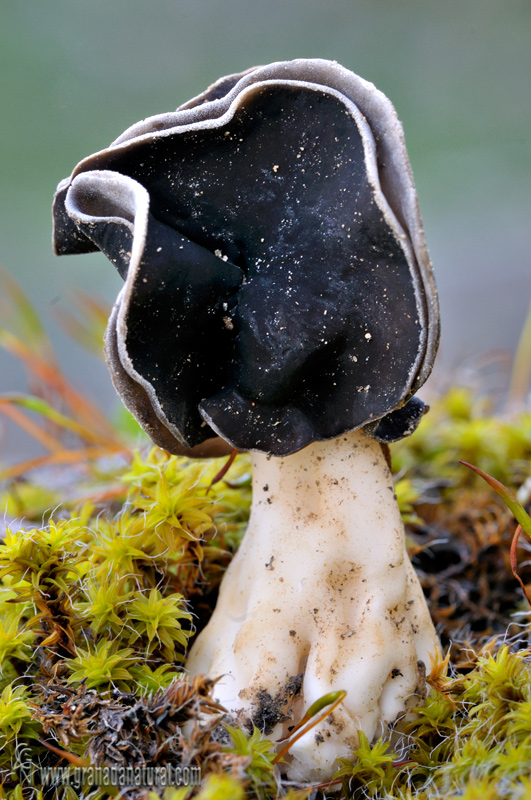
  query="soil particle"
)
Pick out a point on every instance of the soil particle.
point(268, 711)
point(294, 684)
point(395, 673)
point(421, 688)
point(221, 735)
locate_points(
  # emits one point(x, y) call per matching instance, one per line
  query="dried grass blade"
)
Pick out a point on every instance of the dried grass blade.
point(87, 325)
point(52, 377)
point(78, 330)
point(521, 373)
point(514, 562)
point(317, 712)
point(63, 457)
point(223, 471)
point(508, 497)
point(78, 761)
point(25, 317)
point(16, 415)
point(40, 406)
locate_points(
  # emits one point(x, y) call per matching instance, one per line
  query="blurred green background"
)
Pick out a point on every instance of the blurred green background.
point(76, 74)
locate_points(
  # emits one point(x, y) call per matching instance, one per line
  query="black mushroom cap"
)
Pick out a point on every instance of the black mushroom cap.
point(277, 287)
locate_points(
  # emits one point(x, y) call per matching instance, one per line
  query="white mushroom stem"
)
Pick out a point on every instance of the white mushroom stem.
point(321, 586)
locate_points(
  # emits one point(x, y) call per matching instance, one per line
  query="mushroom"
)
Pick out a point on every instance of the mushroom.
point(279, 298)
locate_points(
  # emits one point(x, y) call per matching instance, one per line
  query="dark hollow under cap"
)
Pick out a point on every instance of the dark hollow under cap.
point(277, 286)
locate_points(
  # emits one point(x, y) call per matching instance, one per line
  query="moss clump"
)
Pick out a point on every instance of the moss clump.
point(98, 604)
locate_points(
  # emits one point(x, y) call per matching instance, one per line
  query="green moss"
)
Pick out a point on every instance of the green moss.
point(97, 607)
